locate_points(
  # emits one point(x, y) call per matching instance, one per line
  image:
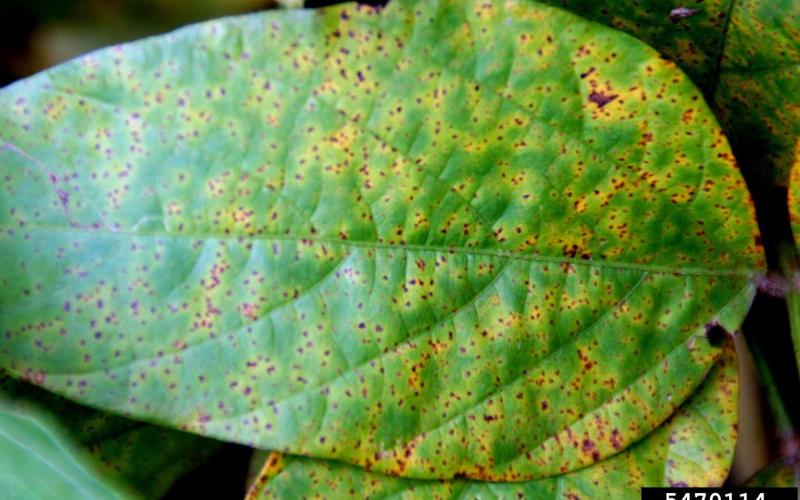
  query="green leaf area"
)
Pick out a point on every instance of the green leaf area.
point(779, 474)
point(745, 55)
point(39, 460)
point(473, 239)
point(692, 447)
point(51, 445)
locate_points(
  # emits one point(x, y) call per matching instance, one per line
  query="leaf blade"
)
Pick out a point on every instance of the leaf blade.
point(39, 460)
point(312, 322)
point(124, 448)
point(692, 448)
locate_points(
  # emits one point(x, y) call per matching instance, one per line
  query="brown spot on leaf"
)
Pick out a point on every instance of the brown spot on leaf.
point(601, 99)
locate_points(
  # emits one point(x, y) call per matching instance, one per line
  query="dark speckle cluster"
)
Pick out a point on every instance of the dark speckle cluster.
point(693, 447)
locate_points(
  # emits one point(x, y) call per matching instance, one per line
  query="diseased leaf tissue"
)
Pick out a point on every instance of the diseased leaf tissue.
point(453, 239)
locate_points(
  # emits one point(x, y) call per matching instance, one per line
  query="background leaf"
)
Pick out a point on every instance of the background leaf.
point(780, 474)
point(694, 447)
point(757, 94)
point(794, 194)
point(150, 459)
point(39, 460)
point(388, 237)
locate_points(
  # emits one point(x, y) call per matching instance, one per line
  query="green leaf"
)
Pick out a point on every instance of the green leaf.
point(694, 447)
point(745, 54)
point(391, 237)
point(793, 195)
point(39, 460)
point(757, 94)
point(124, 447)
point(779, 474)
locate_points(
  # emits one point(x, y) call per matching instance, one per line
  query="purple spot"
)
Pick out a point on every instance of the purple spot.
point(601, 99)
point(63, 196)
point(681, 13)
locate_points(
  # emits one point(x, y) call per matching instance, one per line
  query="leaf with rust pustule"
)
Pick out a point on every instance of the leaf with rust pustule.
point(392, 237)
point(779, 474)
point(744, 54)
point(693, 448)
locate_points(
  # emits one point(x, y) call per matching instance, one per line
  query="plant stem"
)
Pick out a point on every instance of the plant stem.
point(783, 421)
point(788, 261)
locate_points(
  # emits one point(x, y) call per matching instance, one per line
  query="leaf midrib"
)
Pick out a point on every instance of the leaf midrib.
point(745, 273)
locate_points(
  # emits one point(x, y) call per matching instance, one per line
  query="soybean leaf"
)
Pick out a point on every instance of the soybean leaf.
point(745, 54)
point(38, 459)
point(694, 447)
point(148, 458)
point(793, 194)
point(780, 474)
point(757, 93)
point(390, 237)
